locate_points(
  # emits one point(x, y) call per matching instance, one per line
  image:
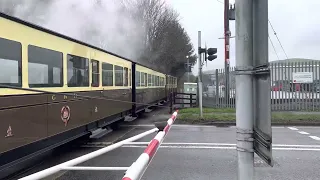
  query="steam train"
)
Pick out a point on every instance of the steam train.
point(38, 66)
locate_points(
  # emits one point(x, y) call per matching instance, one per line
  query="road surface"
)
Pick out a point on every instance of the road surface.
point(200, 152)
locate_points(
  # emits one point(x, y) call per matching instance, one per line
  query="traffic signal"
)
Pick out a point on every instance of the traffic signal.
point(211, 54)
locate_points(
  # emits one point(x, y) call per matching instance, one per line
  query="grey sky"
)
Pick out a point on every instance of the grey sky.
point(296, 23)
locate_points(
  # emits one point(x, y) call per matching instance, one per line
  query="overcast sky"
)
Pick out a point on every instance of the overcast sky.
point(296, 23)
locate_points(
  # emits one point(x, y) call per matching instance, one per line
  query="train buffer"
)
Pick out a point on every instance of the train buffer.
point(133, 172)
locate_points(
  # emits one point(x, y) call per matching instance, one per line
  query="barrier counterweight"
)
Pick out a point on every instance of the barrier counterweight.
point(137, 169)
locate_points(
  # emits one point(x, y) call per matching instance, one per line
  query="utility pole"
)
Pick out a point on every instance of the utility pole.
point(200, 74)
point(226, 48)
point(188, 68)
point(244, 86)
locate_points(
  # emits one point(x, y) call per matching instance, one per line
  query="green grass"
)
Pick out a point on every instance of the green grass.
point(191, 115)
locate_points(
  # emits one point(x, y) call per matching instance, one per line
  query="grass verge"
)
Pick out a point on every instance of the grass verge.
point(228, 115)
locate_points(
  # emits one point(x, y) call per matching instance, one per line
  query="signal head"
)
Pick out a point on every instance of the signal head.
point(212, 51)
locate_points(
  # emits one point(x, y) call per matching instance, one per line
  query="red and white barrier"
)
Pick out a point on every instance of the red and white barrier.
point(70, 165)
point(137, 169)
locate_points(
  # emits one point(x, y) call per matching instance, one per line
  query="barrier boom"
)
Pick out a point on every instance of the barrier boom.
point(134, 172)
point(137, 169)
point(70, 165)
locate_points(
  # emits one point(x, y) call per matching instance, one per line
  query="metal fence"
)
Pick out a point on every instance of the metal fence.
point(294, 87)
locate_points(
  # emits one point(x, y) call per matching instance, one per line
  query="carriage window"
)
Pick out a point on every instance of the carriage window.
point(161, 81)
point(137, 78)
point(149, 80)
point(158, 81)
point(145, 79)
point(10, 60)
point(118, 71)
point(78, 71)
point(44, 67)
point(142, 79)
point(153, 80)
point(107, 74)
point(95, 73)
point(125, 77)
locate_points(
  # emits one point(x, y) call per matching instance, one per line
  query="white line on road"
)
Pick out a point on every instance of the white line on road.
point(217, 147)
point(315, 138)
point(177, 125)
point(293, 128)
point(308, 127)
point(202, 144)
point(303, 132)
point(186, 125)
point(224, 147)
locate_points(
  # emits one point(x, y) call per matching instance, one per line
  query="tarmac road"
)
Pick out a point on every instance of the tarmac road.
point(199, 152)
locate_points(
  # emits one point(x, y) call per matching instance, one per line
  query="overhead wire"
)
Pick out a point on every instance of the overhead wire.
point(273, 47)
point(220, 2)
point(274, 32)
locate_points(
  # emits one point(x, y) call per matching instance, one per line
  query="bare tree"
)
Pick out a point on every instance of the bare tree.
point(166, 43)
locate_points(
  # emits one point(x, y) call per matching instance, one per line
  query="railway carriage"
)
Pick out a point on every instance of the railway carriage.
point(39, 67)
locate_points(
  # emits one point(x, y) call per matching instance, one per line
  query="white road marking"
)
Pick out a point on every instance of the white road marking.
point(216, 147)
point(143, 144)
point(186, 125)
point(296, 149)
point(315, 138)
point(146, 143)
point(293, 128)
point(187, 147)
point(177, 125)
point(309, 127)
point(295, 145)
point(303, 132)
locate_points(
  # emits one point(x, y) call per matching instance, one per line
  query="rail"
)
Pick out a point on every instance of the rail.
point(132, 171)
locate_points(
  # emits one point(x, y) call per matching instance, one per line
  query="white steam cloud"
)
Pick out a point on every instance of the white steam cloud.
point(102, 24)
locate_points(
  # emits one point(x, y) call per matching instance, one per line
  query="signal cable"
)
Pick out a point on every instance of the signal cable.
point(274, 32)
point(273, 47)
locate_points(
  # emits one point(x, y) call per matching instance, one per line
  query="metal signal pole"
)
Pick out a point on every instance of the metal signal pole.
point(188, 68)
point(226, 48)
point(244, 89)
point(200, 74)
